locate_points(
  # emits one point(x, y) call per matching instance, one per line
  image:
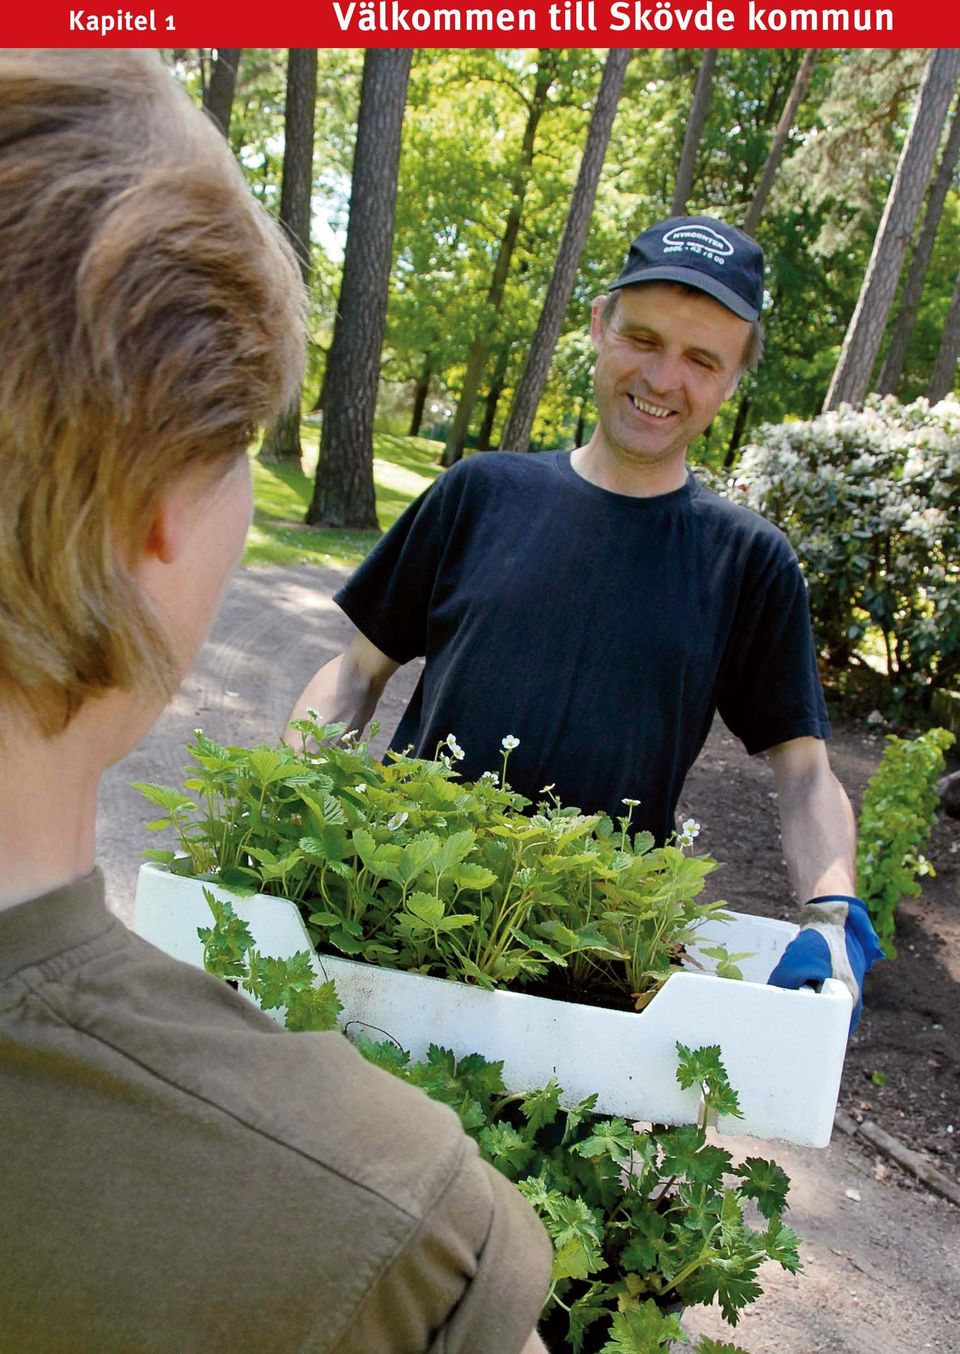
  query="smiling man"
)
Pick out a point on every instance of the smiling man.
point(601, 606)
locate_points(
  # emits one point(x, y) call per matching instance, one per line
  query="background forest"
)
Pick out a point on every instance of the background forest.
point(456, 211)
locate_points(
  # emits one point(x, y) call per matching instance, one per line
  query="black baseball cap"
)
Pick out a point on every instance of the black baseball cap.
point(701, 252)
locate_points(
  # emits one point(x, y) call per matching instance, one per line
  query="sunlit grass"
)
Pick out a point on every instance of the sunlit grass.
point(402, 468)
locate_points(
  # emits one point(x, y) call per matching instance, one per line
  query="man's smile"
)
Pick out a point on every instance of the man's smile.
point(655, 410)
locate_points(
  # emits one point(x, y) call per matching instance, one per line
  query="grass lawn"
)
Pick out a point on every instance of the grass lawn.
point(402, 468)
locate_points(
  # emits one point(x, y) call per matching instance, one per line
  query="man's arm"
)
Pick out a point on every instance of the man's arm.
point(819, 833)
point(836, 938)
point(345, 689)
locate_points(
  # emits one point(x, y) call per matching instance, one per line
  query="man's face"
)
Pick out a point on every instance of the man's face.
point(666, 360)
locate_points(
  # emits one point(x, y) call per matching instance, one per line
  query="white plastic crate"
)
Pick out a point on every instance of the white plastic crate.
point(783, 1050)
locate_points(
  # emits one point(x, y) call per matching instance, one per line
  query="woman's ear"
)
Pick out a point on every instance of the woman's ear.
point(170, 523)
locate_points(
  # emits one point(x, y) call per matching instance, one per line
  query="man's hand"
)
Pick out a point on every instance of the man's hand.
point(836, 940)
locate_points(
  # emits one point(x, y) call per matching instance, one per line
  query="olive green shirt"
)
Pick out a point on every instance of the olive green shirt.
point(179, 1174)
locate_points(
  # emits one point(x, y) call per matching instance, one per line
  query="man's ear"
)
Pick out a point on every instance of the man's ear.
point(734, 383)
point(596, 320)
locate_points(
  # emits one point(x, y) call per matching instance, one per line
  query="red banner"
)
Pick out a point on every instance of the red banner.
point(473, 23)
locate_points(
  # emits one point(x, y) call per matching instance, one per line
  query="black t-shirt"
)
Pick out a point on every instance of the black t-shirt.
point(599, 629)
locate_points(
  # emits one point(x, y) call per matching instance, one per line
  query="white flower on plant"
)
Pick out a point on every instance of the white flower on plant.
point(397, 820)
point(456, 751)
point(689, 831)
point(491, 776)
point(360, 789)
point(630, 803)
point(349, 736)
point(509, 743)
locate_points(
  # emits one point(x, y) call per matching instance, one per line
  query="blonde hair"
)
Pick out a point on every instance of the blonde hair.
point(152, 316)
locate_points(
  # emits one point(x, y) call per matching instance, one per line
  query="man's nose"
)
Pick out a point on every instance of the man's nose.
point(662, 371)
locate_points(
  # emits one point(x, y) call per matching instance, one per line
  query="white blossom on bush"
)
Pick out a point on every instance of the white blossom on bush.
point(868, 499)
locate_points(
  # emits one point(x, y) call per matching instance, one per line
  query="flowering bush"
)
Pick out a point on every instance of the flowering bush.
point(867, 497)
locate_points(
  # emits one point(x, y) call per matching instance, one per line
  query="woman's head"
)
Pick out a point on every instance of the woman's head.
point(152, 317)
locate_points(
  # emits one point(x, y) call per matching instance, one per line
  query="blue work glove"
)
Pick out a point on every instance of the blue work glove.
point(836, 940)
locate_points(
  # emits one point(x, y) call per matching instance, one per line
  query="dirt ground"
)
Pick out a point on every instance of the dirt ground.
point(881, 1253)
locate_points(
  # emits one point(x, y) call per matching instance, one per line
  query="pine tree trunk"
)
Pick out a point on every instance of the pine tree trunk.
point(796, 97)
point(420, 396)
point(218, 94)
point(740, 422)
point(923, 252)
point(344, 493)
point(944, 373)
point(851, 380)
point(282, 441)
point(480, 348)
point(695, 125)
point(492, 400)
point(516, 434)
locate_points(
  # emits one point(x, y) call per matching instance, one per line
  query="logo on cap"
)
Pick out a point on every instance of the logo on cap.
point(697, 240)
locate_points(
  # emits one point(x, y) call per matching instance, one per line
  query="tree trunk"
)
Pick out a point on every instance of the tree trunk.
point(218, 94)
point(695, 125)
point(851, 380)
point(480, 348)
point(581, 423)
point(492, 399)
point(516, 434)
point(907, 314)
point(344, 494)
point(796, 97)
point(282, 441)
point(420, 395)
point(740, 422)
point(944, 372)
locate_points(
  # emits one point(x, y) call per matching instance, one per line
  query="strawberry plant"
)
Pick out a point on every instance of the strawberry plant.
point(401, 864)
point(644, 1220)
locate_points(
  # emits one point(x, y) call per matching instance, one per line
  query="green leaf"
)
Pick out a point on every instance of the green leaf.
point(227, 943)
point(505, 1148)
point(783, 1245)
point(171, 800)
point(647, 1231)
point(541, 1107)
point(765, 1182)
point(470, 876)
point(314, 1008)
point(643, 1329)
point(613, 1138)
point(276, 982)
point(427, 908)
point(453, 850)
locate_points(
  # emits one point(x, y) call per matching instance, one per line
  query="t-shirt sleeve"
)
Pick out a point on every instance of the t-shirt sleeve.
point(388, 597)
point(472, 1277)
point(769, 687)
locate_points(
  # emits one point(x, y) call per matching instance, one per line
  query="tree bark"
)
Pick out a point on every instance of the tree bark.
point(944, 372)
point(740, 422)
point(282, 441)
point(218, 94)
point(480, 348)
point(851, 380)
point(420, 395)
point(695, 125)
point(516, 434)
point(492, 399)
point(913, 290)
point(344, 494)
point(795, 98)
